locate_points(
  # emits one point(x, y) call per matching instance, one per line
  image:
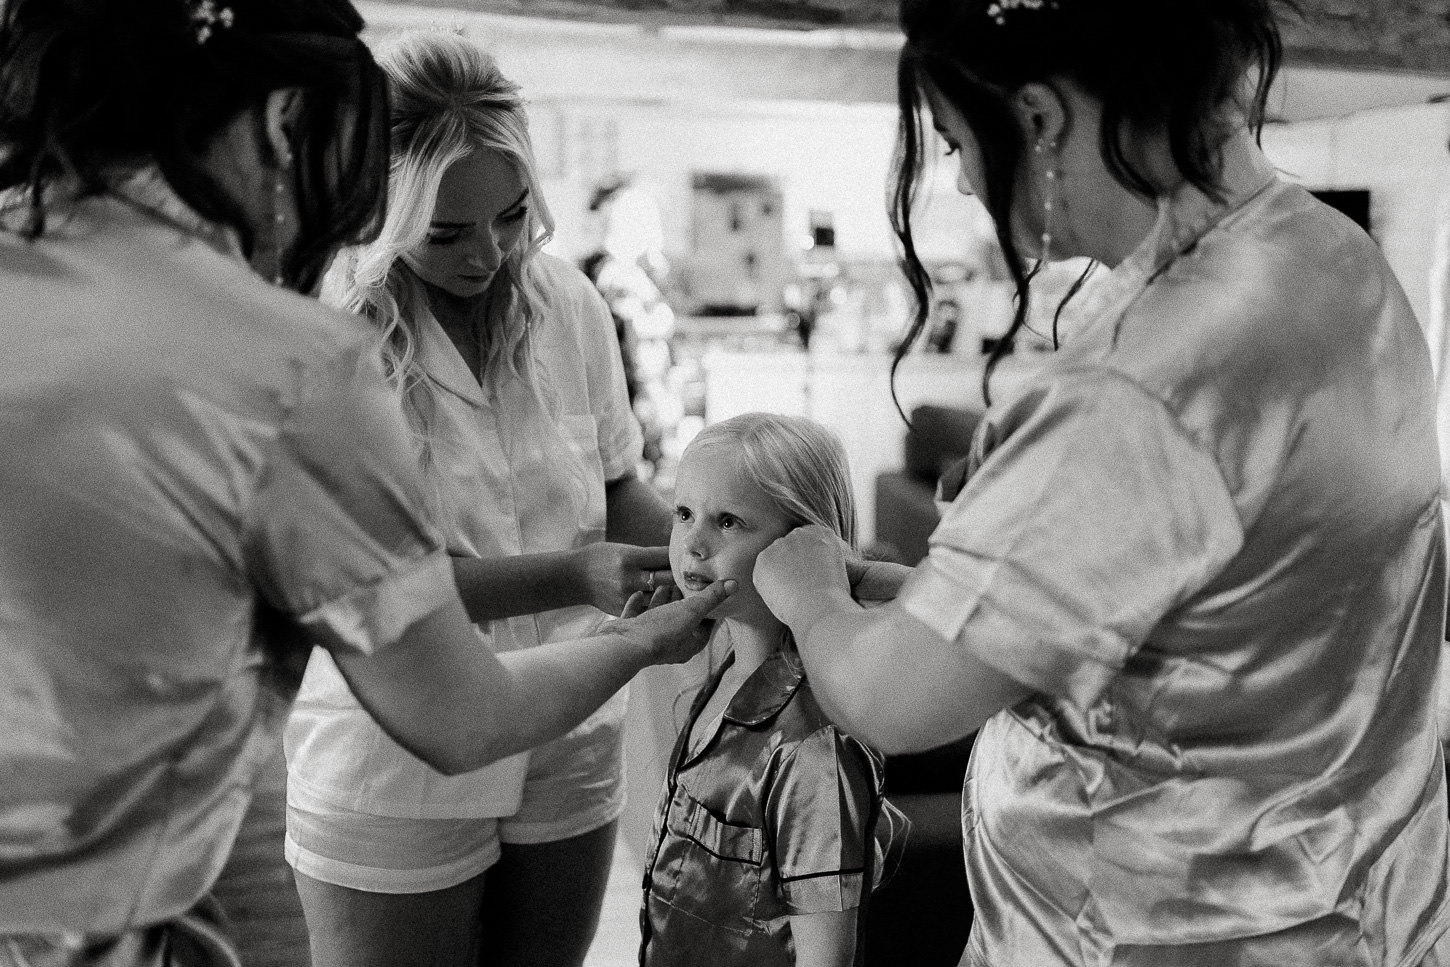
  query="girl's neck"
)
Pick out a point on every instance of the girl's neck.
point(752, 641)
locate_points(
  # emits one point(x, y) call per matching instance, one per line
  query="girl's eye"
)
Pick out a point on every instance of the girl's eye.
point(729, 523)
point(444, 238)
point(682, 515)
point(517, 216)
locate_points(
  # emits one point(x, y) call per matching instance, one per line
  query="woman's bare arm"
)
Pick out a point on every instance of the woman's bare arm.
point(444, 696)
point(603, 575)
point(882, 674)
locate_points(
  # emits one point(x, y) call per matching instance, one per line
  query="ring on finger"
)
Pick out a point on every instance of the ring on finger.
point(649, 580)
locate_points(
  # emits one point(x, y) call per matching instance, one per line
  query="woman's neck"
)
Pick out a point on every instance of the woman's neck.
point(454, 313)
point(462, 319)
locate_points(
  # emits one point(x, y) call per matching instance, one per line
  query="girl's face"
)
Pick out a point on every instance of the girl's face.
point(722, 522)
point(478, 220)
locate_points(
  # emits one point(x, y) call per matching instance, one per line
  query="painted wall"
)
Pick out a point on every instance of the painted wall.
point(1400, 154)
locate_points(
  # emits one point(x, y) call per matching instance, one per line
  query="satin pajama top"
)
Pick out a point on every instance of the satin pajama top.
point(776, 813)
point(1208, 535)
point(182, 442)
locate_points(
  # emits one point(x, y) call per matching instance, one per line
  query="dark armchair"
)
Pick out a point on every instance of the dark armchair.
point(923, 914)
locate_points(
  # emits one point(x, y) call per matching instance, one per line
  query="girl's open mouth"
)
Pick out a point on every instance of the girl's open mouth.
point(694, 581)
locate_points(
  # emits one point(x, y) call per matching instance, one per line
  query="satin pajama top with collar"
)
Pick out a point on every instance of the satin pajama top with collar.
point(183, 445)
point(1208, 536)
point(515, 478)
point(775, 813)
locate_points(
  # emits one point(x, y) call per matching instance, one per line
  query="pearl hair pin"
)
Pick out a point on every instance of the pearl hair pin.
point(999, 9)
point(207, 18)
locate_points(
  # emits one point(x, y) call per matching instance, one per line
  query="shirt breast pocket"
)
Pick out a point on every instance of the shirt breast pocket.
point(581, 435)
point(718, 875)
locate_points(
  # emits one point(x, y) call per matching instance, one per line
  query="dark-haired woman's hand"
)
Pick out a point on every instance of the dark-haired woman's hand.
point(608, 574)
point(800, 571)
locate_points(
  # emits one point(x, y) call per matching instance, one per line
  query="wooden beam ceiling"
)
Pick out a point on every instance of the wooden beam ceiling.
point(1409, 35)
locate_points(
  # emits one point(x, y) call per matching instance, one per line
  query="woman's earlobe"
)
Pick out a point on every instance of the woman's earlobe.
point(1042, 112)
point(280, 114)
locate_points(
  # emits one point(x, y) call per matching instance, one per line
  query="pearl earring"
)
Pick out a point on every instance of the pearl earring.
point(1049, 193)
point(279, 215)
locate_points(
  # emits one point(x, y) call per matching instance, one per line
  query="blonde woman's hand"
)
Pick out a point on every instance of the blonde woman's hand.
point(609, 573)
point(799, 570)
point(669, 628)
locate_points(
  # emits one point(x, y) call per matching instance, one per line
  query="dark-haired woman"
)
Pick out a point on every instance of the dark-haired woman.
point(197, 457)
point(1192, 590)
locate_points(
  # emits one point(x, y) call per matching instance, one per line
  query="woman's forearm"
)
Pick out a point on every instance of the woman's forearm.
point(442, 695)
point(502, 587)
point(892, 681)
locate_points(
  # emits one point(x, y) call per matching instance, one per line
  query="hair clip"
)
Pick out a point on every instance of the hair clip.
point(207, 18)
point(1000, 8)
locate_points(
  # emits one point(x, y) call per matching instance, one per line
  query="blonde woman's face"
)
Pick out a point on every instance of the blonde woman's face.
point(478, 220)
point(723, 520)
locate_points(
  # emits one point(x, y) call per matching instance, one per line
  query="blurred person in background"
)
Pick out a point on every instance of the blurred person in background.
point(628, 270)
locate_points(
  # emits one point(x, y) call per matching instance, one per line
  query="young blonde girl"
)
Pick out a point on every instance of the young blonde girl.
point(772, 828)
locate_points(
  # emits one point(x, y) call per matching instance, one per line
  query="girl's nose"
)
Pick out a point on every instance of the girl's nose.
point(695, 544)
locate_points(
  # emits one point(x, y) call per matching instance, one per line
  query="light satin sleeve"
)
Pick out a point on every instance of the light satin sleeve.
point(817, 812)
point(336, 535)
point(1092, 519)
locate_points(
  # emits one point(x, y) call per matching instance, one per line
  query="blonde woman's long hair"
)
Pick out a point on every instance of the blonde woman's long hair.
point(448, 100)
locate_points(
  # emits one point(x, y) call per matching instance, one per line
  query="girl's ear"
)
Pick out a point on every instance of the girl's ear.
point(1042, 112)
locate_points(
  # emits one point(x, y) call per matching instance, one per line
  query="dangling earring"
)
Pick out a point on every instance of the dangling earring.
point(279, 215)
point(1049, 193)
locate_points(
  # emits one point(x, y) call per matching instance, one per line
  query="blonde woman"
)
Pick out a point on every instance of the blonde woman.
point(505, 362)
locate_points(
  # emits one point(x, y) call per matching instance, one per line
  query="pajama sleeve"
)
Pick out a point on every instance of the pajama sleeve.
point(335, 534)
point(818, 809)
point(1091, 514)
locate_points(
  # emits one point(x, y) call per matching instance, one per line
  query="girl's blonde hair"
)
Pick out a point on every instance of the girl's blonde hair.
point(448, 100)
point(800, 464)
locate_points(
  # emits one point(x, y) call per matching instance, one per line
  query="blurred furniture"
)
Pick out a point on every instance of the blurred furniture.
point(923, 914)
point(851, 394)
point(905, 504)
